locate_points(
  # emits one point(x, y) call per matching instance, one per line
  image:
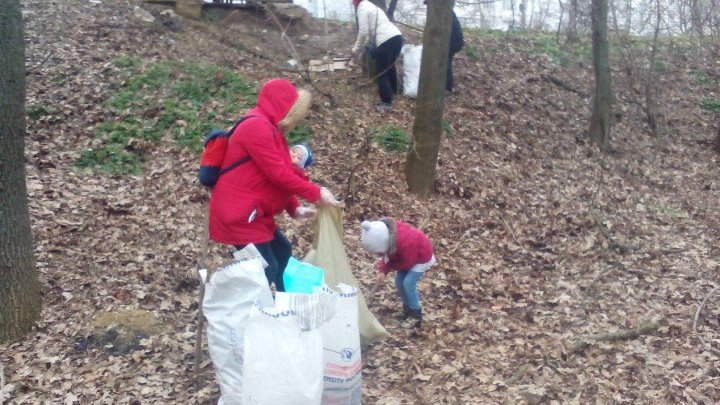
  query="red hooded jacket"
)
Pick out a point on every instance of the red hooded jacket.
point(245, 200)
point(408, 247)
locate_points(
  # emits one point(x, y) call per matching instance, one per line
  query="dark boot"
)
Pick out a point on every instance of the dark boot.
point(414, 319)
point(405, 312)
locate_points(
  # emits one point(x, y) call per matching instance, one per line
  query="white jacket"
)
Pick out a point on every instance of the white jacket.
point(367, 14)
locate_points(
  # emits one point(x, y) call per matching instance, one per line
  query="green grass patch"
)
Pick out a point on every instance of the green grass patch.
point(701, 77)
point(301, 134)
point(180, 99)
point(448, 129)
point(36, 111)
point(112, 158)
point(563, 54)
point(471, 52)
point(711, 105)
point(391, 138)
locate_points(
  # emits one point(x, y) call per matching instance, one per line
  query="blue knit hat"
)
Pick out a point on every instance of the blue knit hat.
point(307, 157)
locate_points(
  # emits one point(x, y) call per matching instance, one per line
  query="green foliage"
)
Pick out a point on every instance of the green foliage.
point(701, 77)
point(711, 105)
point(180, 99)
point(391, 138)
point(471, 52)
point(112, 158)
point(36, 111)
point(560, 54)
point(448, 129)
point(126, 62)
point(301, 134)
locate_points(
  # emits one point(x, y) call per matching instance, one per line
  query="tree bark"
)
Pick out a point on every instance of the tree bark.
point(19, 287)
point(379, 3)
point(421, 164)
point(572, 34)
point(391, 10)
point(600, 121)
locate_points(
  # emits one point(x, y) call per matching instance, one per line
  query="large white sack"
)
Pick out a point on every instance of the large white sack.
point(341, 352)
point(284, 350)
point(229, 295)
point(412, 57)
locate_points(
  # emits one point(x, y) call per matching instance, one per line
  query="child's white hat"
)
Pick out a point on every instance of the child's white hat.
point(375, 236)
point(307, 156)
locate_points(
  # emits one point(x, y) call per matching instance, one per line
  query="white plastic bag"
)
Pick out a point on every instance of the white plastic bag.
point(229, 296)
point(341, 352)
point(412, 56)
point(284, 350)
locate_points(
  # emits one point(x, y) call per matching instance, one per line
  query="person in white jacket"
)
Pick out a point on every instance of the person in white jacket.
point(375, 28)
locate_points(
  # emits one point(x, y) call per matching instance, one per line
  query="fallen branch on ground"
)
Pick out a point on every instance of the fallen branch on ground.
point(702, 304)
point(643, 329)
point(564, 85)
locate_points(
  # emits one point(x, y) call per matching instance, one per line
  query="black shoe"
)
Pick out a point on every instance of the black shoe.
point(383, 107)
point(414, 319)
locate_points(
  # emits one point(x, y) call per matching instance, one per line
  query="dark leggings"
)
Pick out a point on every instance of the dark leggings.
point(385, 56)
point(276, 252)
point(449, 83)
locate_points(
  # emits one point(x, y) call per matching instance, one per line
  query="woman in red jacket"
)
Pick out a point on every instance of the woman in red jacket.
point(246, 198)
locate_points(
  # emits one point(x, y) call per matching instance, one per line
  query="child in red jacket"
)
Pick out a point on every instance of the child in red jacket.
point(404, 249)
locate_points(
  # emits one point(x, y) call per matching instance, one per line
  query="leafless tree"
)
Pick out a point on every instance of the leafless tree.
point(19, 287)
point(421, 162)
point(601, 119)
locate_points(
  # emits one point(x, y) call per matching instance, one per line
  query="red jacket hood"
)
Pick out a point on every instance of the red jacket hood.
point(276, 98)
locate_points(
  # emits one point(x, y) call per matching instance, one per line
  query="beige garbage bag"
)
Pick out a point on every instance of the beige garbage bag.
point(328, 252)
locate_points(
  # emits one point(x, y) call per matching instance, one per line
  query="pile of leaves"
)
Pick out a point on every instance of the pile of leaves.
point(541, 242)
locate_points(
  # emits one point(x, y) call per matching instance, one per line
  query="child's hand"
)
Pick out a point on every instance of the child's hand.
point(381, 277)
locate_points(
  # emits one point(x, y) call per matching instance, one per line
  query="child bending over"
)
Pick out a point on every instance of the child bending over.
point(404, 249)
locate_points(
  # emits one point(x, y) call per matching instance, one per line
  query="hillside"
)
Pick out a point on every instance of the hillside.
point(540, 240)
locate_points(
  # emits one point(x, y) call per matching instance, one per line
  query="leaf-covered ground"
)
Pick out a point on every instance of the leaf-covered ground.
point(540, 240)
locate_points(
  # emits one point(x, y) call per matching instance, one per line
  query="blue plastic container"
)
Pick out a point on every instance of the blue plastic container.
point(301, 277)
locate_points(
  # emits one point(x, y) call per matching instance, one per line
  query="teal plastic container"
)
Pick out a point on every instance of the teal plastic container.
point(301, 277)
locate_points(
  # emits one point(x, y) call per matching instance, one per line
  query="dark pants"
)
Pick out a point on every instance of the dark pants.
point(385, 56)
point(449, 83)
point(277, 252)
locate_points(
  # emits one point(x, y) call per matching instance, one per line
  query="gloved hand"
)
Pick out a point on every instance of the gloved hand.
point(327, 198)
point(304, 212)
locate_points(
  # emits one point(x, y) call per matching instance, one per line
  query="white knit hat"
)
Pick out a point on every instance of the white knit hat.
point(375, 236)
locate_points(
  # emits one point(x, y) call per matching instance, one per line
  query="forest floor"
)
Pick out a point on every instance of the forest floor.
point(540, 240)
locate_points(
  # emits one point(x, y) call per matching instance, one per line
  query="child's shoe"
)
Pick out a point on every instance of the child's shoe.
point(414, 319)
point(405, 313)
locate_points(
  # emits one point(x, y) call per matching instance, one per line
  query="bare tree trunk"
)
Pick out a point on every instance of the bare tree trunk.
point(391, 10)
point(421, 164)
point(379, 3)
point(651, 87)
point(696, 17)
point(559, 27)
point(19, 287)
point(523, 14)
point(572, 33)
point(600, 121)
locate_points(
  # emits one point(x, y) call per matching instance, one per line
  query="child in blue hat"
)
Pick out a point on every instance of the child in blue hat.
point(301, 156)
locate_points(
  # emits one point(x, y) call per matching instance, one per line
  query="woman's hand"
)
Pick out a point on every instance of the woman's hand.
point(327, 198)
point(304, 212)
point(381, 277)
